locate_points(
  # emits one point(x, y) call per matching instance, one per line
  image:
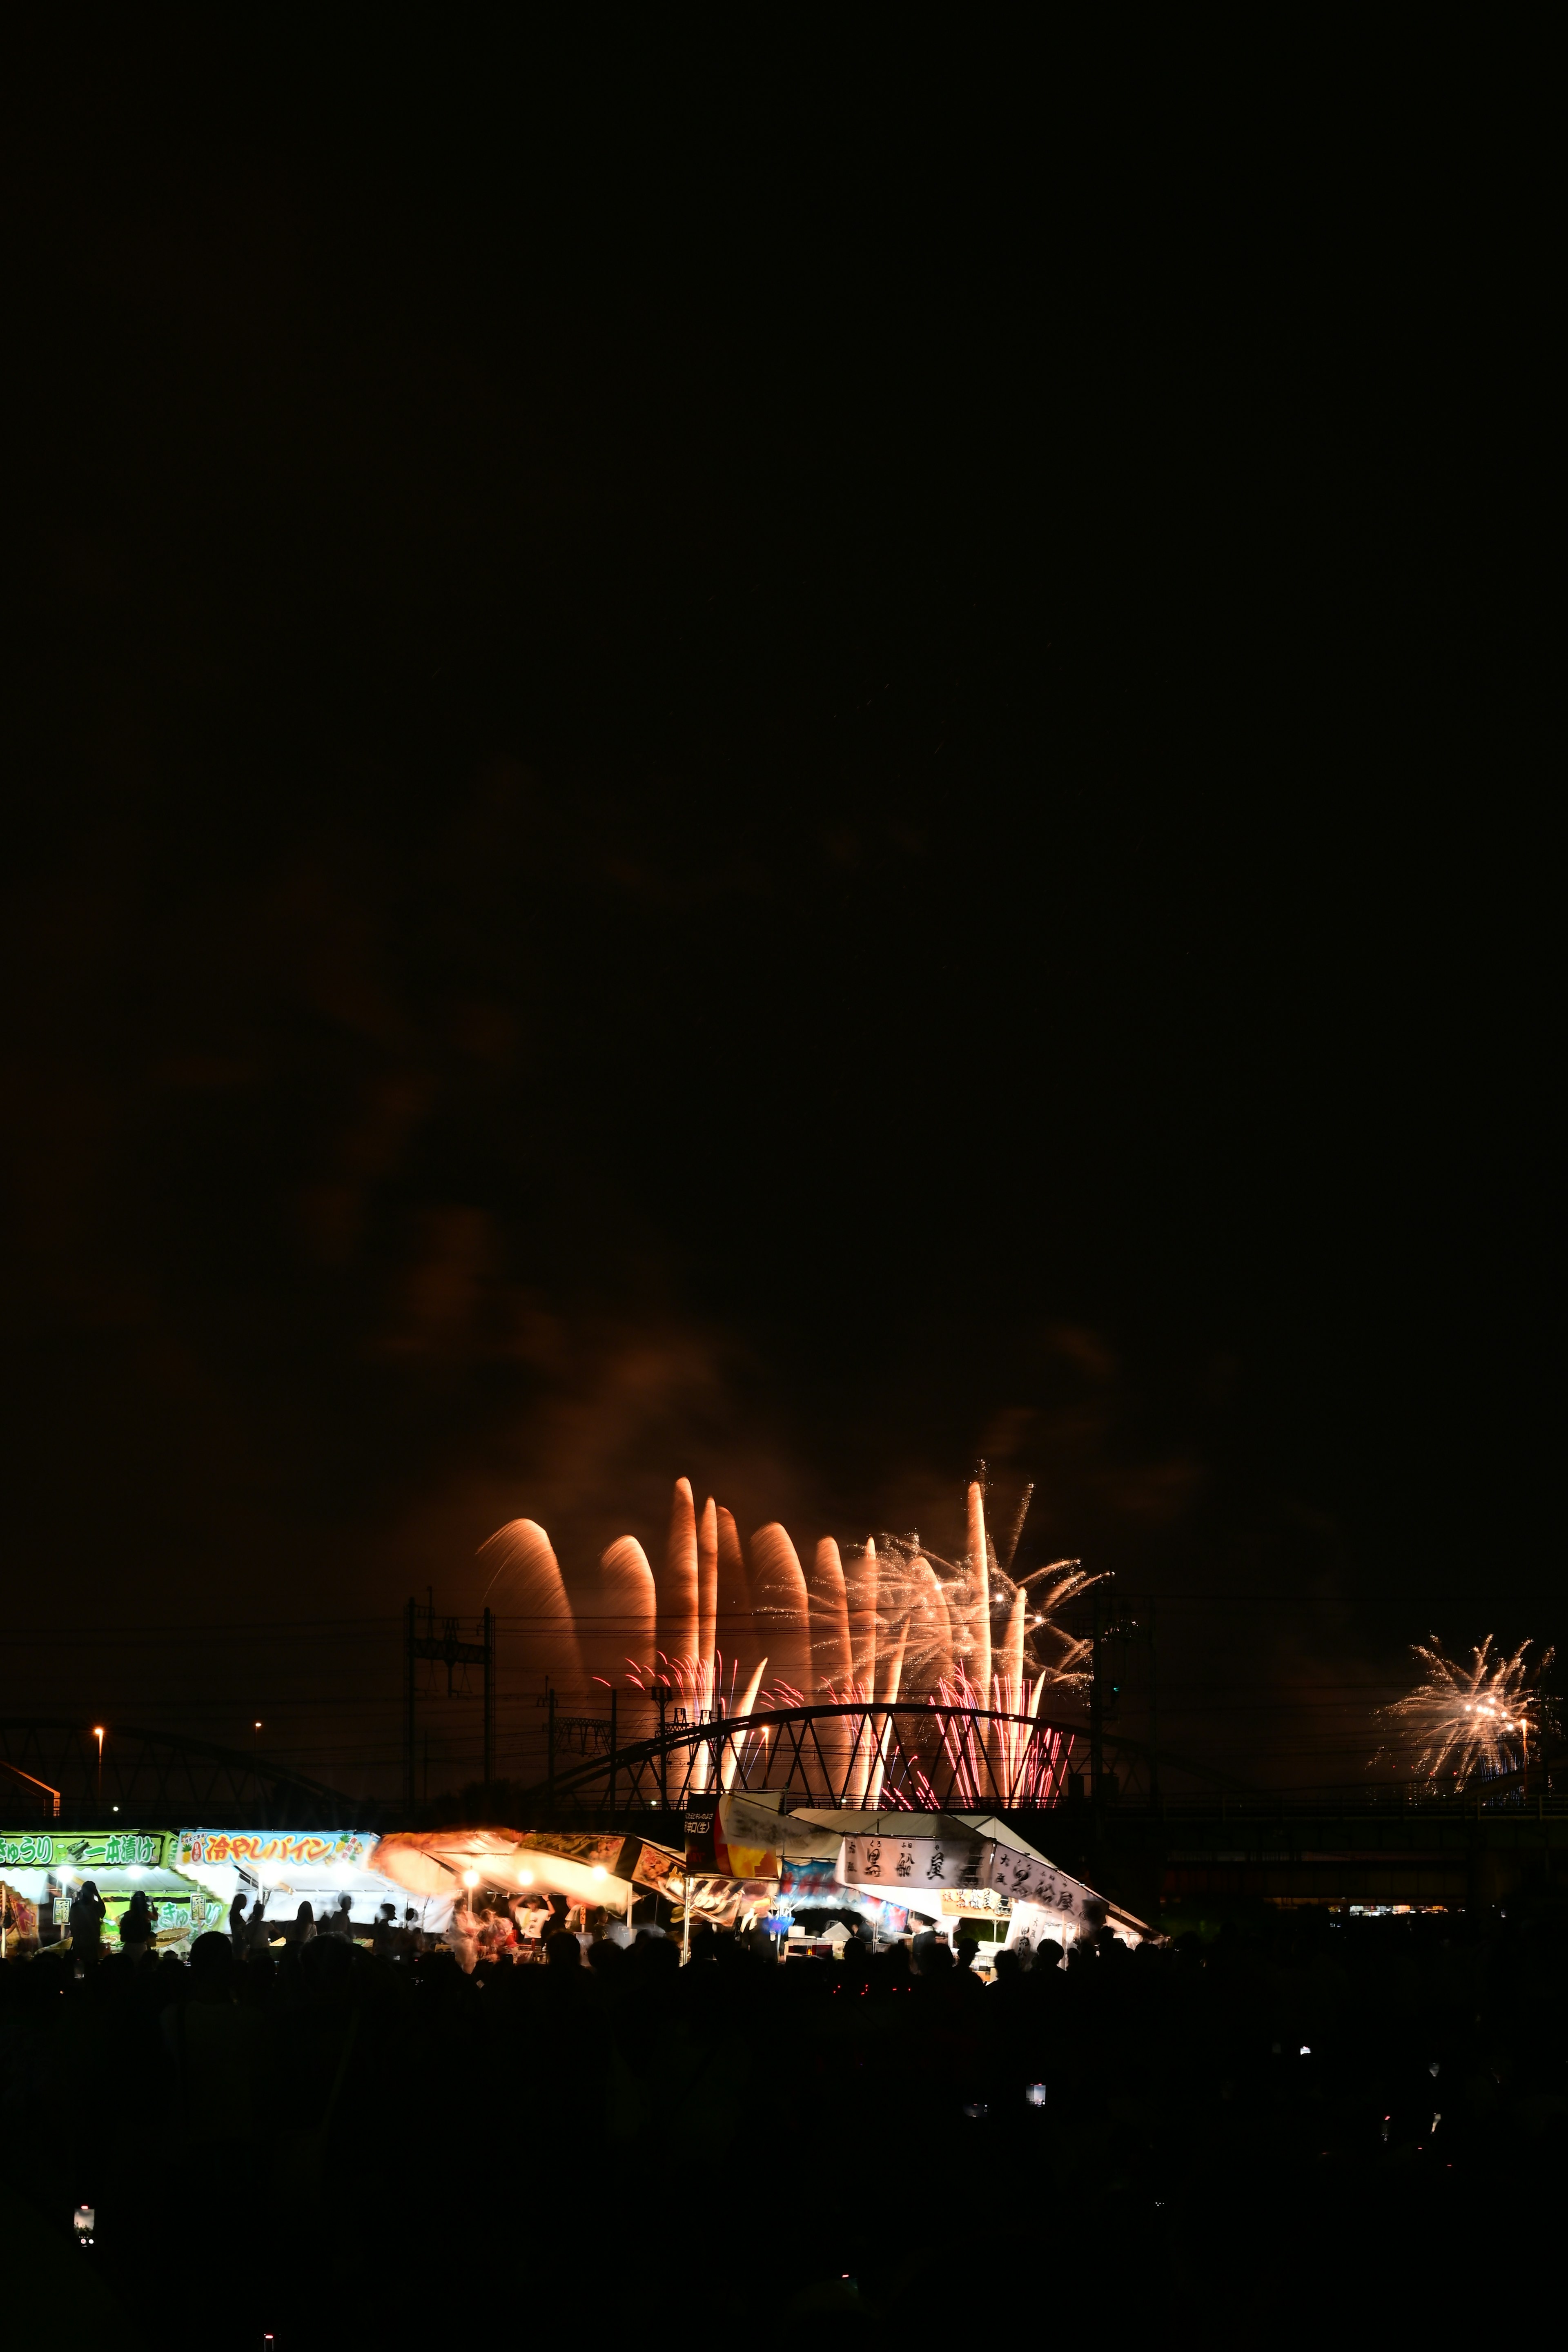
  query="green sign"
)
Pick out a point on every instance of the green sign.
point(95, 1850)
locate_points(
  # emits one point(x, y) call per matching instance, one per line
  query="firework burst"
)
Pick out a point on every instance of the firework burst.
point(718, 1630)
point(1471, 1722)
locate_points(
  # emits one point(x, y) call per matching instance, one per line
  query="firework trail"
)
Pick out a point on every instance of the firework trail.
point(1471, 1722)
point(891, 1621)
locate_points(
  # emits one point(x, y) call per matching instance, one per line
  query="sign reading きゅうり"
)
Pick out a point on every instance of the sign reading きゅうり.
point(876, 1860)
point(95, 1850)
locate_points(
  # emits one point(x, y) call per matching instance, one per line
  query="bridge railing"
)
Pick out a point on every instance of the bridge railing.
point(912, 1757)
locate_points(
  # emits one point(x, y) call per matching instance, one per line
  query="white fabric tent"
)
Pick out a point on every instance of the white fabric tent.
point(948, 1851)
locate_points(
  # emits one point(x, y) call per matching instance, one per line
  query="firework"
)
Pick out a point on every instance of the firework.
point(1471, 1722)
point(719, 1631)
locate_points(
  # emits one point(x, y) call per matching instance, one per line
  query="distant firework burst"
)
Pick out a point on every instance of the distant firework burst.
point(1474, 1722)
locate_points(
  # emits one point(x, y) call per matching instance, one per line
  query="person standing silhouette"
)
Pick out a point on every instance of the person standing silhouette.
point(87, 1923)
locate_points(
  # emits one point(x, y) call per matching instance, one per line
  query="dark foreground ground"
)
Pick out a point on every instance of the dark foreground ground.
point(1301, 2129)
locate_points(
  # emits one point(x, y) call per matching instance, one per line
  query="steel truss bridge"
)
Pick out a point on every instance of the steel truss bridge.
point(914, 1757)
point(153, 1779)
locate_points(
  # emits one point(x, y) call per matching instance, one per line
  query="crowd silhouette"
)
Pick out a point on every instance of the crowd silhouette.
point(351, 2122)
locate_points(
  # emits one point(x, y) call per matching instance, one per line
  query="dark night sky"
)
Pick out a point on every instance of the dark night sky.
point(742, 765)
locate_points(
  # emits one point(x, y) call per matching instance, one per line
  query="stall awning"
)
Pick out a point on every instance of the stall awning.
point(585, 1866)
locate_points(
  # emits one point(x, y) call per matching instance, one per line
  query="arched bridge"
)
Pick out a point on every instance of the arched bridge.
point(919, 1755)
point(155, 1779)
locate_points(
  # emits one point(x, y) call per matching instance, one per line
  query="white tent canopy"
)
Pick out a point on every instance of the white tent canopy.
point(900, 1856)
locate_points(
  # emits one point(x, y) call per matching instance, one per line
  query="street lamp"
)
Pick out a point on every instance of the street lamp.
point(98, 1735)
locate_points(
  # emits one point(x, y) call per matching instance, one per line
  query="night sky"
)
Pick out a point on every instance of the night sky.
point(784, 765)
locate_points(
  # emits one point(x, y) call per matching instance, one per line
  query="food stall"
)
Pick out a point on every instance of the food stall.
point(747, 1862)
point(515, 1873)
point(190, 1878)
point(284, 1868)
point(43, 1871)
point(961, 1873)
point(974, 1869)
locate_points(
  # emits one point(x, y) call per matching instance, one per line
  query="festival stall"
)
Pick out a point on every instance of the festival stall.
point(973, 1870)
point(190, 1878)
point(747, 1862)
point(961, 1873)
point(520, 1871)
point(45, 1871)
point(282, 1869)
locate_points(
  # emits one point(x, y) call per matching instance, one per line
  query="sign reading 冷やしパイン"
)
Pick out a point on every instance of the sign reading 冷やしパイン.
point(96, 1850)
point(198, 1848)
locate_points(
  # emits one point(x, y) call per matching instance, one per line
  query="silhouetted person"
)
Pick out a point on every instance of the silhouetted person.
point(462, 1937)
point(384, 1938)
point(213, 2044)
point(301, 1929)
point(926, 1942)
point(339, 1922)
point(87, 1923)
point(136, 1926)
point(237, 1925)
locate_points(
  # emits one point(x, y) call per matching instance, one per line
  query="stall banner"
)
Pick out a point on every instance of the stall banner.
point(623, 1857)
point(653, 1867)
point(724, 1901)
point(731, 1840)
point(703, 1840)
point(95, 1850)
point(204, 1847)
point(590, 1847)
point(177, 1920)
point(751, 1833)
point(912, 1863)
point(20, 1917)
point(1025, 1878)
point(878, 1860)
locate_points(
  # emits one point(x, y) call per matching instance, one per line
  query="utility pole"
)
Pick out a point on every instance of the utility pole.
point(448, 1649)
